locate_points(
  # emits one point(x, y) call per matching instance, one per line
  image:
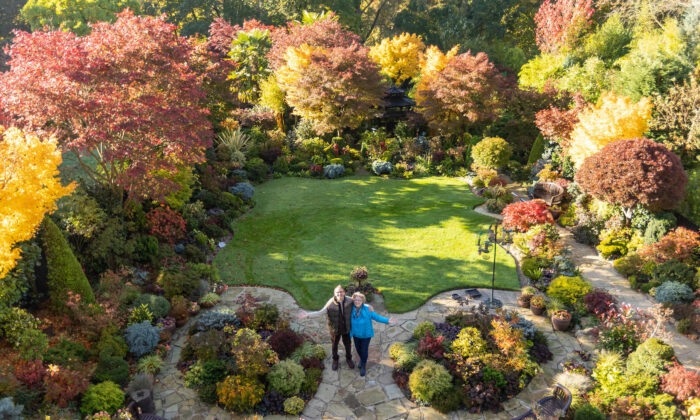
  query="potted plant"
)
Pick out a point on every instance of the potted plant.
point(526, 293)
point(538, 303)
point(561, 319)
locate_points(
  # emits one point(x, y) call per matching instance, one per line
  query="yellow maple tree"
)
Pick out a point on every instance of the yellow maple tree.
point(399, 57)
point(435, 60)
point(612, 118)
point(29, 188)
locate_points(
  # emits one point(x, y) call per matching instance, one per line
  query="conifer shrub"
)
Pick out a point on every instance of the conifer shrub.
point(253, 355)
point(652, 357)
point(105, 396)
point(673, 292)
point(491, 153)
point(674, 271)
point(66, 353)
point(428, 380)
point(112, 368)
point(286, 377)
point(294, 405)
point(158, 305)
point(569, 290)
point(469, 343)
point(240, 393)
point(64, 273)
point(423, 328)
point(111, 344)
point(140, 313)
point(265, 317)
point(142, 338)
point(404, 355)
point(588, 412)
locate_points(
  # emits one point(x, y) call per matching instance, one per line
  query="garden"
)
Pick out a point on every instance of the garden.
point(154, 155)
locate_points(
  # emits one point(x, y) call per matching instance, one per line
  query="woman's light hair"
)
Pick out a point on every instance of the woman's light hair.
point(360, 295)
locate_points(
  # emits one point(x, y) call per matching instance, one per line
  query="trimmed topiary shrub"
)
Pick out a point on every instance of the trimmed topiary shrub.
point(491, 153)
point(673, 292)
point(286, 377)
point(105, 396)
point(142, 338)
point(569, 290)
point(428, 380)
point(64, 273)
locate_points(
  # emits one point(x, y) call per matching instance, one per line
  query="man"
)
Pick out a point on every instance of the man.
point(338, 309)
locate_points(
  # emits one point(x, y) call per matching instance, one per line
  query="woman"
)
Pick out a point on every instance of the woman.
point(361, 329)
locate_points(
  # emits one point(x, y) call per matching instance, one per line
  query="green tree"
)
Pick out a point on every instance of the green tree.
point(248, 52)
point(73, 15)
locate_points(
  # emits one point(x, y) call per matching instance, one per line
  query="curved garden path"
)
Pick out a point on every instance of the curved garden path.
point(344, 394)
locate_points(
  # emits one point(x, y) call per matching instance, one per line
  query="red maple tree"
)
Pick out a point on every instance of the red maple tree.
point(124, 97)
point(634, 172)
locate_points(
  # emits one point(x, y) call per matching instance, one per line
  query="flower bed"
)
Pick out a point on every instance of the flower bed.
point(473, 360)
point(250, 361)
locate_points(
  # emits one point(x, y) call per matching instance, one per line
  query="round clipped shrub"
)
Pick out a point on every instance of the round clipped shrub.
point(105, 396)
point(158, 305)
point(428, 380)
point(286, 377)
point(294, 406)
point(469, 343)
point(651, 357)
point(334, 170)
point(673, 292)
point(569, 290)
point(423, 328)
point(491, 153)
point(240, 393)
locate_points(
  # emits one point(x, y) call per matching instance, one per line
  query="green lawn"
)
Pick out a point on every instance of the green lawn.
point(417, 238)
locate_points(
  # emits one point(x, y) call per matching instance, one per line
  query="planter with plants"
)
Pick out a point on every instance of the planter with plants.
point(209, 300)
point(561, 319)
point(538, 304)
point(526, 293)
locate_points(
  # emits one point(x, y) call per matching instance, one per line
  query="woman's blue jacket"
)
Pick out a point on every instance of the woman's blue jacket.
point(361, 321)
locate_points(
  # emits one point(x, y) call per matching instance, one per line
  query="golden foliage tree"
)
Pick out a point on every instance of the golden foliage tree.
point(612, 118)
point(399, 57)
point(29, 188)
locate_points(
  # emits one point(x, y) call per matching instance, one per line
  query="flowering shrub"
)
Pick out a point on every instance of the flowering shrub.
point(520, 216)
point(166, 224)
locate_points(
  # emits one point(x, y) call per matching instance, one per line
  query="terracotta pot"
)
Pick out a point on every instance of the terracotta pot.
point(524, 301)
point(561, 323)
point(537, 310)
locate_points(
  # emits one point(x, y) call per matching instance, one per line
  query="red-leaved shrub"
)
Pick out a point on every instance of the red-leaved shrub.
point(29, 372)
point(521, 216)
point(682, 383)
point(680, 244)
point(166, 224)
point(431, 346)
point(63, 385)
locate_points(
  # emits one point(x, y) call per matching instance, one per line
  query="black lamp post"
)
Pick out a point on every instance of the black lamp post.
point(491, 302)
